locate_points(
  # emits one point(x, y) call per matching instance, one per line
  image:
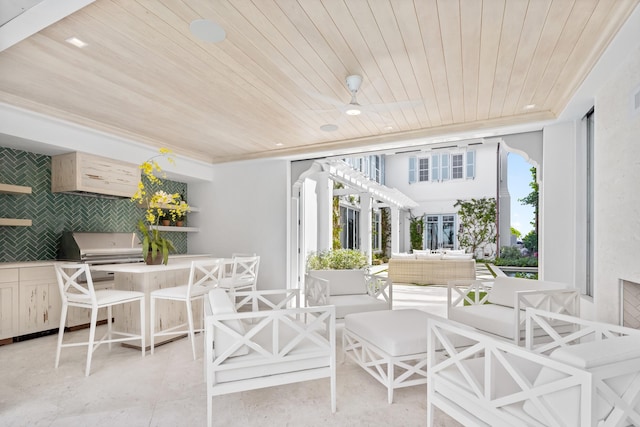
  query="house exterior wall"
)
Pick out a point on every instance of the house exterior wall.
point(439, 197)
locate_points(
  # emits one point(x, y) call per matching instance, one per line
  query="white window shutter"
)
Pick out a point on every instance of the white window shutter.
point(412, 169)
point(444, 166)
point(471, 164)
point(435, 168)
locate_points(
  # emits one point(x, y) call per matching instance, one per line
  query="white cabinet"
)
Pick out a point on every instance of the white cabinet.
point(39, 300)
point(9, 302)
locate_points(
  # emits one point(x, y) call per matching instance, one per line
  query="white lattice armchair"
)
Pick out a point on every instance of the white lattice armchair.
point(281, 344)
point(498, 307)
point(590, 377)
point(350, 291)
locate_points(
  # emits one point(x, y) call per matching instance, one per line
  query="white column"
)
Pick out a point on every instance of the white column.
point(395, 229)
point(365, 225)
point(325, 211)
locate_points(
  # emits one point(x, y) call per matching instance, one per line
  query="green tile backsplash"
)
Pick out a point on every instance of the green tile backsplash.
point(51, 214)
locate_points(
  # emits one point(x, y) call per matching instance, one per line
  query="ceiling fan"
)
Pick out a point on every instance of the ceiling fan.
point(354, 108)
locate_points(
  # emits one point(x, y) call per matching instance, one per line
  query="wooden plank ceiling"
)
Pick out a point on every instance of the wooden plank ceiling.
point(279, 75)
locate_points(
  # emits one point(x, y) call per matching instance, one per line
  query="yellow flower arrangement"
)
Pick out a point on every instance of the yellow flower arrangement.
point(158, 205)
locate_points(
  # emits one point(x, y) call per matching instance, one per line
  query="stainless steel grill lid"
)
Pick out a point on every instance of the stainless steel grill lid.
point(100, 248)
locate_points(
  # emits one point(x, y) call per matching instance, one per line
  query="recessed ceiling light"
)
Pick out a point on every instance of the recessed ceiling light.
point(329, 127)
point(353, 111)
point(76, 42)
point(207, 31)
point(530, 106)
point(279, 144)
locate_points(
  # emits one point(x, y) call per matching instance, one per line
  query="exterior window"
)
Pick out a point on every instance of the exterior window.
point(376, 238)
point(457, 169)
point(423, 169)
point(350, 222)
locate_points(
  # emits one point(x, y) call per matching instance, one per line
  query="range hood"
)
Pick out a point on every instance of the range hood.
point(88, 175)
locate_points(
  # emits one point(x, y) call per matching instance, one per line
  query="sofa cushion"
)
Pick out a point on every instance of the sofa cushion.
point(503, 291)
point(397, 332)
point(343, 282)
point(347, 304)
point(597, 353)
point(402, 255)
point(221, 304)
point(492, 318)
point(457, 256)
point(429, 256)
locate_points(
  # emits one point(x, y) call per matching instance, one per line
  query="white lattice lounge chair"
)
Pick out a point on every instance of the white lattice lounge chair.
point(283, 344)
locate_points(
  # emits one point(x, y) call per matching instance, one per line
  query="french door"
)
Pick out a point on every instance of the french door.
point(440, 232)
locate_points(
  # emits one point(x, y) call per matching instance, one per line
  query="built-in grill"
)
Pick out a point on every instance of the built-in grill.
point(100, 248)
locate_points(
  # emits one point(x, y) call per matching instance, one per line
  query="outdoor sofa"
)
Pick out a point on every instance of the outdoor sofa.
point(427, 268)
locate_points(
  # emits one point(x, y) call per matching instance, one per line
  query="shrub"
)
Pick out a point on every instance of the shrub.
point(336, 259)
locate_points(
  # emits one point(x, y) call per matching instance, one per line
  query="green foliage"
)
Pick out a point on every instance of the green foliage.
point(531, 276)
point(515, 232)
point(472, 295)
point(337, 228)
point(336, 259)
point(385, 228)
point(416, 228)
point(532, 198)
point(477, 222)
point(511, 256)
point(154, 243)
point(530, 241)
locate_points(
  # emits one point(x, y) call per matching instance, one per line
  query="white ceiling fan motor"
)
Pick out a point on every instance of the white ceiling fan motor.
point(353, 83)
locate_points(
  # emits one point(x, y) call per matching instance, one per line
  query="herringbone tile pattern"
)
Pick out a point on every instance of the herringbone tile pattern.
point(52, 214)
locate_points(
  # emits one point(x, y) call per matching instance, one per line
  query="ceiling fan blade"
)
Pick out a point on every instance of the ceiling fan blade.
point(325, 99)
point(392, 106)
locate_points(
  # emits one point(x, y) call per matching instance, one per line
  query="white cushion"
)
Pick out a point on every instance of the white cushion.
point(454, 251)
point(429, 256)
point(397, 332)
point(402, 255)
point(343, 282)
point(457, 256)
point(597, 353)
point(420, 252)
point(222, 304)
point(504, 289)
point(492, 318)
point(346, 304)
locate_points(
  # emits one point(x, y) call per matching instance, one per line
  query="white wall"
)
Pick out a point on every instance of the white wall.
point(617, 176)
point(617, 205)
point(247, 210)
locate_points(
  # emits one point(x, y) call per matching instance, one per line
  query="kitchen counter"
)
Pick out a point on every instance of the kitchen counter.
point(45, 263)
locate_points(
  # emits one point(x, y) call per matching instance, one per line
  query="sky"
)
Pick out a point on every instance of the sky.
point(519, 177)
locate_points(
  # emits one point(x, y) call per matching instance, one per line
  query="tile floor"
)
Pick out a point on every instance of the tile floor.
point(167, 389)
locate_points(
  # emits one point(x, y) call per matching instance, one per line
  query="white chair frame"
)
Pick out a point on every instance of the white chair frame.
point(74, 294)
point(203, 276)
point(315, 325)
point(564, 301)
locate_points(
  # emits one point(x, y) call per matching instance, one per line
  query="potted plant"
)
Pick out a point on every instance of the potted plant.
point(159, 206)
point(337, 259)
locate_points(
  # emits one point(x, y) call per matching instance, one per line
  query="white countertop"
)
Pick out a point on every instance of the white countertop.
point(173, 259)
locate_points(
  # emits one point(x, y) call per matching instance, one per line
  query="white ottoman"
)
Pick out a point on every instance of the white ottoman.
point(391, 345)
